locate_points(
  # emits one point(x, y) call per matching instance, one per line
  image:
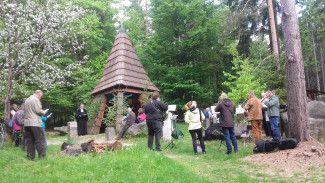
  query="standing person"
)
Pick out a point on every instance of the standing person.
point(82, 118)
point(33, 125)
point(130, 119)
point(254, 107)
point(17, 129)
point(194, 117)
point(227, 111)
point(266, 121)
point(13, 110)
point(155, 119)
point(43, 128)
point(273, 111)
point(206, 120)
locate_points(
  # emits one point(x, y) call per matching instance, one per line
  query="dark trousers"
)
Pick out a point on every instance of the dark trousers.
point(82, 126)
point(154, 130)
point(229, 134)
point(266, 126)
point(124, 129)
point(197, 132)
point(35, 138)
point(17, 137)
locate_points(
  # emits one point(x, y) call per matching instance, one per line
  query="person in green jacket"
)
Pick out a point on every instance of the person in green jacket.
point(273, 112)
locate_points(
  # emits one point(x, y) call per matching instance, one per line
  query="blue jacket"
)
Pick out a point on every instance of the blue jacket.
point(43, 121)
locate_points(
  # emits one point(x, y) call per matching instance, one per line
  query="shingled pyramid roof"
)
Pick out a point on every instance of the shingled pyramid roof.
point(123, 68)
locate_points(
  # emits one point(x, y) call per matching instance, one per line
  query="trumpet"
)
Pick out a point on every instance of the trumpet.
point(242, 105)
point(262, 100)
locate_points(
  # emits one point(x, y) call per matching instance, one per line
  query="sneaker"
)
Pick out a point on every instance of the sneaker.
point(236, 151)
point(158, 150)
point(204, 152)
point(227, 152)
point(196, 153)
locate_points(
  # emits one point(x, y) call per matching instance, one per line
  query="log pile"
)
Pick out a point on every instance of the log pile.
point(89, 147)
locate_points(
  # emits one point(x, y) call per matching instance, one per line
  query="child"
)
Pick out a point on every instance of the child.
point(43, 127)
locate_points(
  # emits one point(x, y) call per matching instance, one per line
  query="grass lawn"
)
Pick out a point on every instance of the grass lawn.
point(136, 164)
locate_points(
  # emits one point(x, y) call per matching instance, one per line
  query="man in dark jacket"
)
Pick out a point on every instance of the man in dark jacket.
point(130, 119)
point(155, 119)
point(227, 110)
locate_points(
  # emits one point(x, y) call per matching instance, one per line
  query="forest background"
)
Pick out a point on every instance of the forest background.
point(191, 50)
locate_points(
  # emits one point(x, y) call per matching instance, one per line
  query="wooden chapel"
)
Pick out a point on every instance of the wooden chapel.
point(123, 74)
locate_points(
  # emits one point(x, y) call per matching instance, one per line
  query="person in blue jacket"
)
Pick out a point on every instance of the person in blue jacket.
point(43, 127)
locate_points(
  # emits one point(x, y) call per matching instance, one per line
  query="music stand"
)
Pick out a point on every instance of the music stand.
point(172, 108)
point(171, 143)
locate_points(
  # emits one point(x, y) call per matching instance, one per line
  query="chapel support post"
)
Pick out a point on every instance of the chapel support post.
point(296, 83)
point(119, 116)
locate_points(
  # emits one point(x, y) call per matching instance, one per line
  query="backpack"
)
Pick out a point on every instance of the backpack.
point(11, 123)
point(19, 118)
point(176, 133)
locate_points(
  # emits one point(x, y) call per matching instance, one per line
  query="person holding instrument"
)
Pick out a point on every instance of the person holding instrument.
point(254, 108)
point(273, 111)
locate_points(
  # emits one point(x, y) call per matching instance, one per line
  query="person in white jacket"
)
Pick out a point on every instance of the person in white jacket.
point(194, 118)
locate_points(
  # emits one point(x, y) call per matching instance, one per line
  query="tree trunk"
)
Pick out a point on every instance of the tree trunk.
point(316, 64)
point(296, 83)
point(274, 39)
point(322, 60)
point(147, 32)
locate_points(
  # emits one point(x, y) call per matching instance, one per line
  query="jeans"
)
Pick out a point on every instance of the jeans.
point(45, 138)
point(199, 134)
point(35, 139)
point(154, 130)
point(275, 128)
point(229, 134)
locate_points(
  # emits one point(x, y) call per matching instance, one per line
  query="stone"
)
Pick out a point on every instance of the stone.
point(132, 130)
point(62, 129)
point(142, 125)
point(239, 128)
point(317, 119)
point(316, 109)
point(72, 130)
point(110, 133)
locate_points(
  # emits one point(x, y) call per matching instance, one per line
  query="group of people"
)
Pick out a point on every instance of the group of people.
point(34, 117)
point(227, 109)
point(255, 110)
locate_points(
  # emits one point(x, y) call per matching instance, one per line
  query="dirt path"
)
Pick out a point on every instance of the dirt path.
point(293, 163)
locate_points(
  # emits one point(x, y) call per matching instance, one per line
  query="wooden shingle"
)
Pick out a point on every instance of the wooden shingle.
point(124, 68)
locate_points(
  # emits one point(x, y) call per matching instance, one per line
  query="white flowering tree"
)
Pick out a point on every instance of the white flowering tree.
point(41, 43)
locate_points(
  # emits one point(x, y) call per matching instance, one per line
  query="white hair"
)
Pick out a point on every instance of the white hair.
point(223, 96)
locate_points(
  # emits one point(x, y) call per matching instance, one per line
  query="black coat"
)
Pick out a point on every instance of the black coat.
point(81, 115)
point(227, 110)
point(152, 114)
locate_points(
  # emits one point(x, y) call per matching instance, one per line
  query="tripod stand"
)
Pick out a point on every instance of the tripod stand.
point(171, 144)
